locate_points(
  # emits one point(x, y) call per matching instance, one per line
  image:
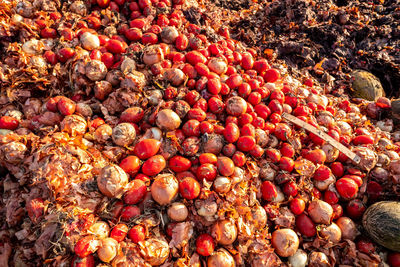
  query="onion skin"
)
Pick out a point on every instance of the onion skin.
point(332, 233)
point(112, 181)
point(224, 232)
point(285, 242)
point(168, 120)
point(318, 259)
point(348, 227)
point(108, 249)
point(164, 189)
point(178, 212)
point(221, 258)
point(320, 211)
point(154, 251)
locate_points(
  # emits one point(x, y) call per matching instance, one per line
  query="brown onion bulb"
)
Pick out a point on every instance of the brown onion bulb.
point(222, 184)
point(168, 120)
point(175, 76)
point(108, 249)
point(169, 34)
point(348, 228)
point(318, 259)
point(285, 242)
point(178, 212)
point(331, 233)
point(221, 258)
point(224, 232)
point(89, 41)
point(155, 251)
point(152, 55)
point(320, 211)
point(112, 181)
point(124, 134)
point(217, 65)
point(164, 188)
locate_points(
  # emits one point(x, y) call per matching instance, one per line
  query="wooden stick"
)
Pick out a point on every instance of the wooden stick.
point(350, 154)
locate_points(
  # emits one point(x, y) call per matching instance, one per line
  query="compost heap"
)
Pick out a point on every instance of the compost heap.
point(132, 137)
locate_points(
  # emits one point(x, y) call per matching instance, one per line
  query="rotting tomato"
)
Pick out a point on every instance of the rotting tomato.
point(147, 148)
point(119, 232)
point(269, 191)
point(225, 166)
point(86, 246)
point(129, 212)
point(136, 192)
point(137, 233)
point(246, 143)
point(131, 165)
point(206, 171)
point(179, 164)
point(347, 188)
point(189, 188)
point(9, 123)
point(305, 225)
point(205, 245)
point(297, 206)
point(154, 165)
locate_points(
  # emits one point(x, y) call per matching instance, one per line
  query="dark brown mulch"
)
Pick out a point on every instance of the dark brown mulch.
point(327, 39)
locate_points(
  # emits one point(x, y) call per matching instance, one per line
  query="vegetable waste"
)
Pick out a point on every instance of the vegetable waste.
point(156, 133)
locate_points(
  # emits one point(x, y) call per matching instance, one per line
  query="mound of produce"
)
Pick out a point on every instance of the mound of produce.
point(133, 135)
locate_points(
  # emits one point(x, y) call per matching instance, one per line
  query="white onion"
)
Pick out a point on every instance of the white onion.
point(222, 184)
point(90, 41)
point(299, 259)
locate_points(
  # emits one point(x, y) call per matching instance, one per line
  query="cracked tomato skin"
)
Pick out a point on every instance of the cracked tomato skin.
point(119, 232)
point(205, 245)
point(86, 246)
